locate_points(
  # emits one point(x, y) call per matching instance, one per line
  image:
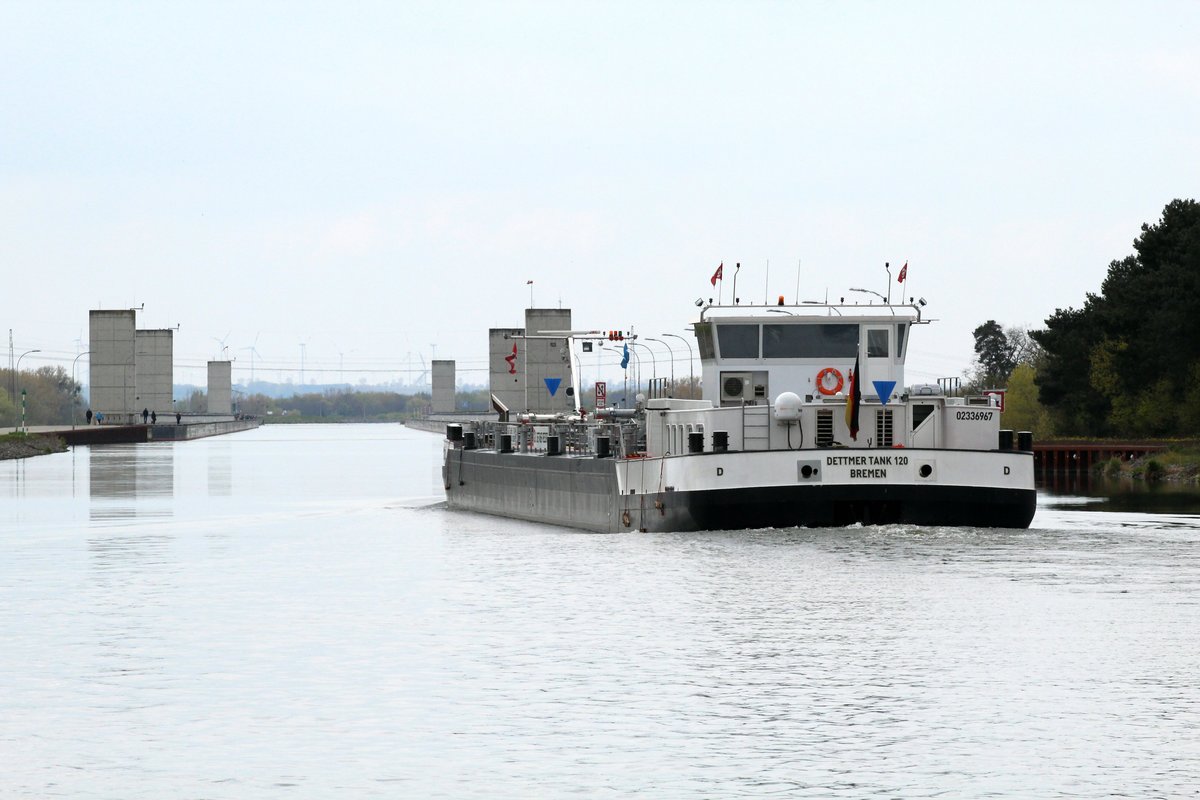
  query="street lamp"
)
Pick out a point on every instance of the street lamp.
point(691, 364)
point(653, 363)
point(868, 291)
point(672, 352)
point(637, 373)
point(17, 372)
point(73, 384)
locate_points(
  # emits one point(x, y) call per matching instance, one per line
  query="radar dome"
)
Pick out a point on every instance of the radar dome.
point(787, 407)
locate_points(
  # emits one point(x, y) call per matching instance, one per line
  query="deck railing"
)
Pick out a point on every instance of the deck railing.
point(570, 438)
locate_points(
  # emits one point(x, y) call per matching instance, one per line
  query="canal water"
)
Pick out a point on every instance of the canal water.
point(288, 613)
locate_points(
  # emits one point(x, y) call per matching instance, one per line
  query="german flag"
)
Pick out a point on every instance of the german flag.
point(853, 400)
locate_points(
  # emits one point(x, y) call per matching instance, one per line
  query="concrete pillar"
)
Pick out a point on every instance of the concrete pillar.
point(112, 374)
point(220, 387)
point(154, 353)
point(549, 361)
point(545, 362)
point(443, 387)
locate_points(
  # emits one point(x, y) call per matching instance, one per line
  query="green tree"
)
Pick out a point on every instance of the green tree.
point(195, 403)
point(1022, 411)
point(10, 415)
point(998, 351)
point(254, 404)
point(993, 354)
point(51, 397)
point(1064, 380)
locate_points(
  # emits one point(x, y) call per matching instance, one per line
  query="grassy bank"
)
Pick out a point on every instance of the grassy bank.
point(18, 445)
point(1177, 464)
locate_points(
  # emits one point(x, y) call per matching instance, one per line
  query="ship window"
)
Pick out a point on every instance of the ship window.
point(738, 341)
point(877, 343)
point(900, 330)
point(920, 411)
point(810, 341)
point(704, 341)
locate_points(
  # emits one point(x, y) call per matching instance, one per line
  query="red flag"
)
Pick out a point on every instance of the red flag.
point(718, 275)
point(512, 360)
point(903, 273)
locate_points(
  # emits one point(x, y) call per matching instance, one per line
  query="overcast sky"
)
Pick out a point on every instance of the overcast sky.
point(371, 180)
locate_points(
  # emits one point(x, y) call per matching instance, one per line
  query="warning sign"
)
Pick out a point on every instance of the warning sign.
point(601, 394)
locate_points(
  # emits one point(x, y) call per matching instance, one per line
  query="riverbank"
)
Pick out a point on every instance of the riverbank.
point(1176, 464)
point(16, 445)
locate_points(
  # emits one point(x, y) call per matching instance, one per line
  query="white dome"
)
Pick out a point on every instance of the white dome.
point(787, 407)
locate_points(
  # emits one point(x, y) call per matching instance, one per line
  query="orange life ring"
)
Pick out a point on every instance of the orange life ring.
point(821, 381)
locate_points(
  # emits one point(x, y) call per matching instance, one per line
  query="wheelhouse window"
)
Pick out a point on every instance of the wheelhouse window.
point(900, 330)
point(810, 341)
point(738, 341)
point(877, 343)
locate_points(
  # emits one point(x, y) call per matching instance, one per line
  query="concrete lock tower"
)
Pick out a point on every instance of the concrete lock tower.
point(537, 375)
point(220, 387)
point(112, 375)
point(153, 357)
point(443, 387)
point(130, 369)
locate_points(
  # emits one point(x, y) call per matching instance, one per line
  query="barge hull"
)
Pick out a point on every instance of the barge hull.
point(837, 506)
point(563, 490)
point(585, 493)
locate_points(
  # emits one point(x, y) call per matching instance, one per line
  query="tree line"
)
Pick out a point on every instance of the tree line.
point(1126, 363)
point(51, 397)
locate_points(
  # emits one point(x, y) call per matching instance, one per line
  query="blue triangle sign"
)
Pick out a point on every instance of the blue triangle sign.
point(884, 390)
point(552, 385)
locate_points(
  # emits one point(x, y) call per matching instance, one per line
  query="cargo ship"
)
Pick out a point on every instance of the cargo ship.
point(804, 419)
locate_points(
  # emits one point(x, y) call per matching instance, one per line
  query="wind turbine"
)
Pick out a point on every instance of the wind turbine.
point(424, 371)
point(342, 361)
point(253, 352)
point(221, 342)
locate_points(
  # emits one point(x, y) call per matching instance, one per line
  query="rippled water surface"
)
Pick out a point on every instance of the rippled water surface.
point(287, 612)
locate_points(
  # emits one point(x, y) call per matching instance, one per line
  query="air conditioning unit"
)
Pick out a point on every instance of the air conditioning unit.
point(737, 387)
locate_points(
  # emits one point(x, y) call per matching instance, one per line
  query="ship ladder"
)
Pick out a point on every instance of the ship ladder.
point(756, 427)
